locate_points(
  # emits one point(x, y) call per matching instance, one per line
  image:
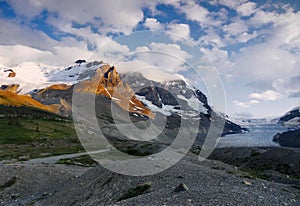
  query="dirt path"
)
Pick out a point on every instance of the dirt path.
point(54, 159)
point(23, 183)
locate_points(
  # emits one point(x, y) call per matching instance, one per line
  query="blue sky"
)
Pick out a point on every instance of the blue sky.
point(254, 45)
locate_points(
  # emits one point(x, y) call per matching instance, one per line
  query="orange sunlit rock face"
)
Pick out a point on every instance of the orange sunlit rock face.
point(9, 98)
point(59, 87)
point(55, 87)
point(12, 74)
point(107, 82)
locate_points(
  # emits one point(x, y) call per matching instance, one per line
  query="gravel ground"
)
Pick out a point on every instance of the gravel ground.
point(34, 181)
point(210, 182)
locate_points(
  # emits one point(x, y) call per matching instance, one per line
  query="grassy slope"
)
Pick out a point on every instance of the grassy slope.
point(35, 133)
point(28, 130)
point(8, 98)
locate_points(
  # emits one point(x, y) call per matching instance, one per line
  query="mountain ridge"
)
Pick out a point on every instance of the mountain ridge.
point(134, 93)
point(101, 78)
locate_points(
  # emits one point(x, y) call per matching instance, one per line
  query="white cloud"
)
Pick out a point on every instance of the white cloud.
point(179, 32)
point(261, 17)
point(254, 101)
point(231, 3)
point(173, 49)
point(245, 37)
point(236, 28)
point(212, 38)
point(17, 54)
point(263, 62)
point(13, 55)
point(287, 28)
point(170, 57)
point(21, 43)
point(13, 33)
point(149, 71)
point(246, 9)
point(216, 55)
point(268, 95)
point(114, 16)
point(27, 9)
point(289, 86)
point(153, 24)
point(271, 64)
point(241, 105)
point(157, 61)
point(244, 105)
point(194, 11)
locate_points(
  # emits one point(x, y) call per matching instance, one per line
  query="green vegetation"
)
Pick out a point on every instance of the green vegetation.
point(232, 172)
point(84, 161)
point(36, 150)
point(252, 174)
point(34, 130)
point(27, 133)
point(138, 190)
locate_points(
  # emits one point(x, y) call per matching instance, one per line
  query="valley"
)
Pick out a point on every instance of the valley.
point(145, 103)
point(48, 131)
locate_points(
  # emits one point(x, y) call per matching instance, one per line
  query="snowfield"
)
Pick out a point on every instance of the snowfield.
point(31, 76)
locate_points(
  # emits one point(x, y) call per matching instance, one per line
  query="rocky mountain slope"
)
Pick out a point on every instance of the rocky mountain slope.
point(288, 139)
point(51, 89)
point(178, 99)
point(8, 98)
point(291, 120)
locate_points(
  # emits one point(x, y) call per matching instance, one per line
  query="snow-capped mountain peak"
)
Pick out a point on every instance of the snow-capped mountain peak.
point(291, 118)
point(32, 77)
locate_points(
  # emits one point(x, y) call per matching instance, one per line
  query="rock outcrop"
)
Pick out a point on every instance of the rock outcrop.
point(104, 81)
point(288, 138)
point(11, 87)
point(11, 73)
point(291, 118)
point(177, 99)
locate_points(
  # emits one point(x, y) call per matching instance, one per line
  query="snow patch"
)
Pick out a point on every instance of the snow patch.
point(194, 103)
point(31, 76)
point(295, 122)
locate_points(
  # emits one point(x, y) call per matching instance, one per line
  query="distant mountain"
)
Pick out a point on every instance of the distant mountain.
point(256, 121)
point(291, 118)
point(288, 138)
point(177, 99)
point(51, 89)
point(32, 77)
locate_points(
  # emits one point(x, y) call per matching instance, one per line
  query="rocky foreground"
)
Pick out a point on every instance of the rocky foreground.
point(189, 182)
